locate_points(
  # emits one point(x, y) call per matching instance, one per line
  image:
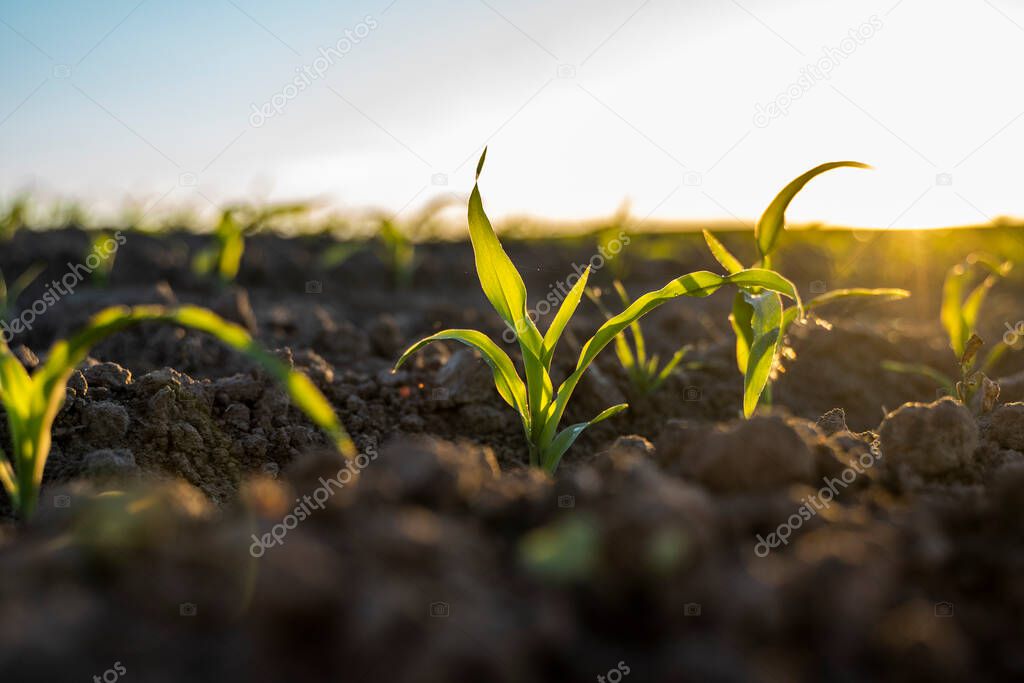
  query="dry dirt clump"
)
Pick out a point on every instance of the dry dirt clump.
point(928, 440)
point(760, 454)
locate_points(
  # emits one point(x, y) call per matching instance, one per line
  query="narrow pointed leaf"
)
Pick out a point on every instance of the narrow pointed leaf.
point(765, 323)
point(565, 312)
point(510, 387)
point(771, 222)
point(951, 312)
point(501, 282)
point(740, 319)
point(722, 255)
point(673, 362)
point(567, 437)
point(839, 295)
point(922, 370)
point(699, 284)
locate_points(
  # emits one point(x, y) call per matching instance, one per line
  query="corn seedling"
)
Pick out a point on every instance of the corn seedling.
point(98, 245)
point(961, 304)
point(33, 401)
point(397, 251)
point(395, 242)
point(224, 256)
point(9, 294)
point(646, 375)
point(539, 405)
point(758, 318)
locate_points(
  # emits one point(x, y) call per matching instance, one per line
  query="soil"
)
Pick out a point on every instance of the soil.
point(195, 526)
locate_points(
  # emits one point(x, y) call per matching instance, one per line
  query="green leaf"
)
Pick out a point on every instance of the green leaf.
point(666, 371)
point(699, 284)
point(722, 255)
point(634, 329)
point(32, 403)
point(565, 312)
point(951, 312)
point(501, 282)
point(337, 254)
point(766, 325)
point(741, 320)
point(838, 295)
point(922, 370)
point(959, 314)
point(771, 222)
point(565, 551)
point(567, 437)
point(506, 379)
point(230, 259)
point(994, 356)
point(974, 300)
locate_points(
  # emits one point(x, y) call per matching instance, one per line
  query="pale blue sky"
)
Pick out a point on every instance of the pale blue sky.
point(655, 101)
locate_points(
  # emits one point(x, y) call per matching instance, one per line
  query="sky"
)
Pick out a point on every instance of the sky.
point(689, 110)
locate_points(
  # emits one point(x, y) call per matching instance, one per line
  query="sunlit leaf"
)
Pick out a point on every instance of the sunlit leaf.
point(842, 295)
point(565, 312)
point(32, 403)
point(501, 282)
point(567, 437)
point(772, 220)
point(766, 324)
point(698, 284)
point(921, 370)
point(510, 387)
point(722, 255)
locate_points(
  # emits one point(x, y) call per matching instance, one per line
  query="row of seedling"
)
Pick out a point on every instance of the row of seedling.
point(765, 305)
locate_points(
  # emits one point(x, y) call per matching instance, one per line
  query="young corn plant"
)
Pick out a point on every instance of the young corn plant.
point(964, 290)
point(539, 405)
point(646, 375)
point(394, 243)
point(32, 402)
point(9, 293)
point(759, 319)
point(398, 252)
point(98, 245)
point(224, 256)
